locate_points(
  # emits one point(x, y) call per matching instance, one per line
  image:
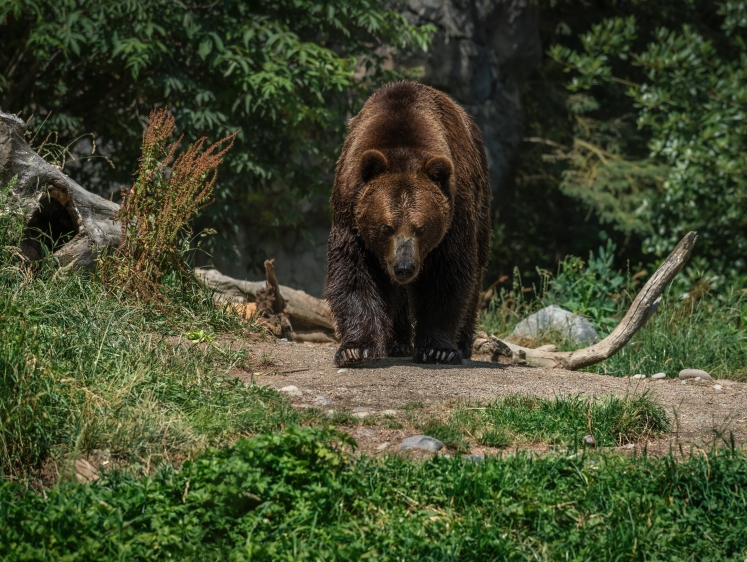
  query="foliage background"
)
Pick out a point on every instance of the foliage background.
point(634, 121)
point(286, 74)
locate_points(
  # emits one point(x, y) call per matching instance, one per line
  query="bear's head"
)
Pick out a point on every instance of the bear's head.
point(404, 208)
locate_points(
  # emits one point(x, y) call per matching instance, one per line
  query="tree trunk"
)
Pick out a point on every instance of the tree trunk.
point(76, 224)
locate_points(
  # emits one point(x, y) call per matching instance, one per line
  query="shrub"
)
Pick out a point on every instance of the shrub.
point(157, 211)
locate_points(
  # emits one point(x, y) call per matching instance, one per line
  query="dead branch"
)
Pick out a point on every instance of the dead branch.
point(640, 311)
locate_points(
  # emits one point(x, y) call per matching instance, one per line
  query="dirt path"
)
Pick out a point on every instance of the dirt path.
point(698, 410)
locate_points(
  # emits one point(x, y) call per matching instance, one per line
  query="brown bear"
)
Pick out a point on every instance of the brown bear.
point(410, 231)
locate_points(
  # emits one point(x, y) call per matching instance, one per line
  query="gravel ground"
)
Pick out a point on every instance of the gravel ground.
point(699, 412)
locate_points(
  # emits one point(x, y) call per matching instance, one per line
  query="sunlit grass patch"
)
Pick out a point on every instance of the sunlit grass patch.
point(563, 421)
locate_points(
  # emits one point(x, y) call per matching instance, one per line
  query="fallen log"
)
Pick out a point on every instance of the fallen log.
point(640, 311)
point(75, 223)
point(306, 312)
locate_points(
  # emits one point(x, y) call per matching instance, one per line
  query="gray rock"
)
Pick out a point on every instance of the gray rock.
point(322, 401)
point(639, 376)
point(659, 376)
point(342, 370)
point(576, 329)
point(360, 409)
point(388, 412)
point(589, 441)
point(475, 458)
point(694, 373)
point(421, 442)
point(365, 432)
point(291, 391)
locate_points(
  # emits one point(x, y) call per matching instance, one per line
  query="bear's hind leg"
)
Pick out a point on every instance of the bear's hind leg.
point(467, 333)
point(400, 343)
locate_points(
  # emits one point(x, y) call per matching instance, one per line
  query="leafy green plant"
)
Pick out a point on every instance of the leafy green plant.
point(687, 90)
point(287, 74)
point(12, 222)
point(591, 289)
point(298, 495)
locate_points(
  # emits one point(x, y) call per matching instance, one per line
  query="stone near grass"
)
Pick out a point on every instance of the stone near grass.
point(85, 471)
point(639, 376)
point(717, 387)
point(361, 415)
point(421, 442)
point(694, 373)
point(365, 432)
point(388, 412)
point(574, 328)
point(589, 441)
point(291, 390)
point(659, 376)
point(322, 401)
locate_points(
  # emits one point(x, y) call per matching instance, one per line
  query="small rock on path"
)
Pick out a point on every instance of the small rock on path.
point(421, 442)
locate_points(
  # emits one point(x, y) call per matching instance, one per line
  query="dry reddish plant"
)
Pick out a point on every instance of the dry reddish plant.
point(157, 212)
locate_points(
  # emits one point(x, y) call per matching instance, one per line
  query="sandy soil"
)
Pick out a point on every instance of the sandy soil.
point(699, 412)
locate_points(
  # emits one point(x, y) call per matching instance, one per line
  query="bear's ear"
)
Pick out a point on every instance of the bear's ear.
point(439, 169)
point(373, 163)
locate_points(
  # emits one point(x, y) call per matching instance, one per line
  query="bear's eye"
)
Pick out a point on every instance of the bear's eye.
point(419, 231)
point(387, 230)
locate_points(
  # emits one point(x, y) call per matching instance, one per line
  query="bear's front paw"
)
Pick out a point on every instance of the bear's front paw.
point(437, 355)
point(400, 350)
point(353, 355)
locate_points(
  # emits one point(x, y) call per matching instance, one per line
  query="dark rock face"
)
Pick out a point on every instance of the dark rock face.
point(481, 56)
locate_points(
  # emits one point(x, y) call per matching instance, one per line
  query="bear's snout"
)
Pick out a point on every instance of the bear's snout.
point(404, 263)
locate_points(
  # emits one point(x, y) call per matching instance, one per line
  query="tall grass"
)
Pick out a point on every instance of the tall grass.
point(706, 334)
point(82, 369)
point(296, 496)
point(700, 323)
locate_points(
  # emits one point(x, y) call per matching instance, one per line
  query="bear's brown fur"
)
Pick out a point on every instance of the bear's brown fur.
point(411, 229)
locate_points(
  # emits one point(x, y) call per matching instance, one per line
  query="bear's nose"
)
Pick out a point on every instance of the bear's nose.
point(404, 269)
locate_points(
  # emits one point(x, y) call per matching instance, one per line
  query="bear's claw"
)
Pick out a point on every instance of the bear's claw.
point(435, 355)
point(353, 355)
point(399, 350)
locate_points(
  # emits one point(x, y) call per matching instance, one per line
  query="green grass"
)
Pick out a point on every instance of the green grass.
point(708, 335)
point(294, 496)
point(521, 419)
point(83, 370)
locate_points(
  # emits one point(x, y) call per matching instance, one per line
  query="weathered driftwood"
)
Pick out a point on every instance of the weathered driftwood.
point(640, 311)
point(271, 305)
point(306, 312)
point(55, 204)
